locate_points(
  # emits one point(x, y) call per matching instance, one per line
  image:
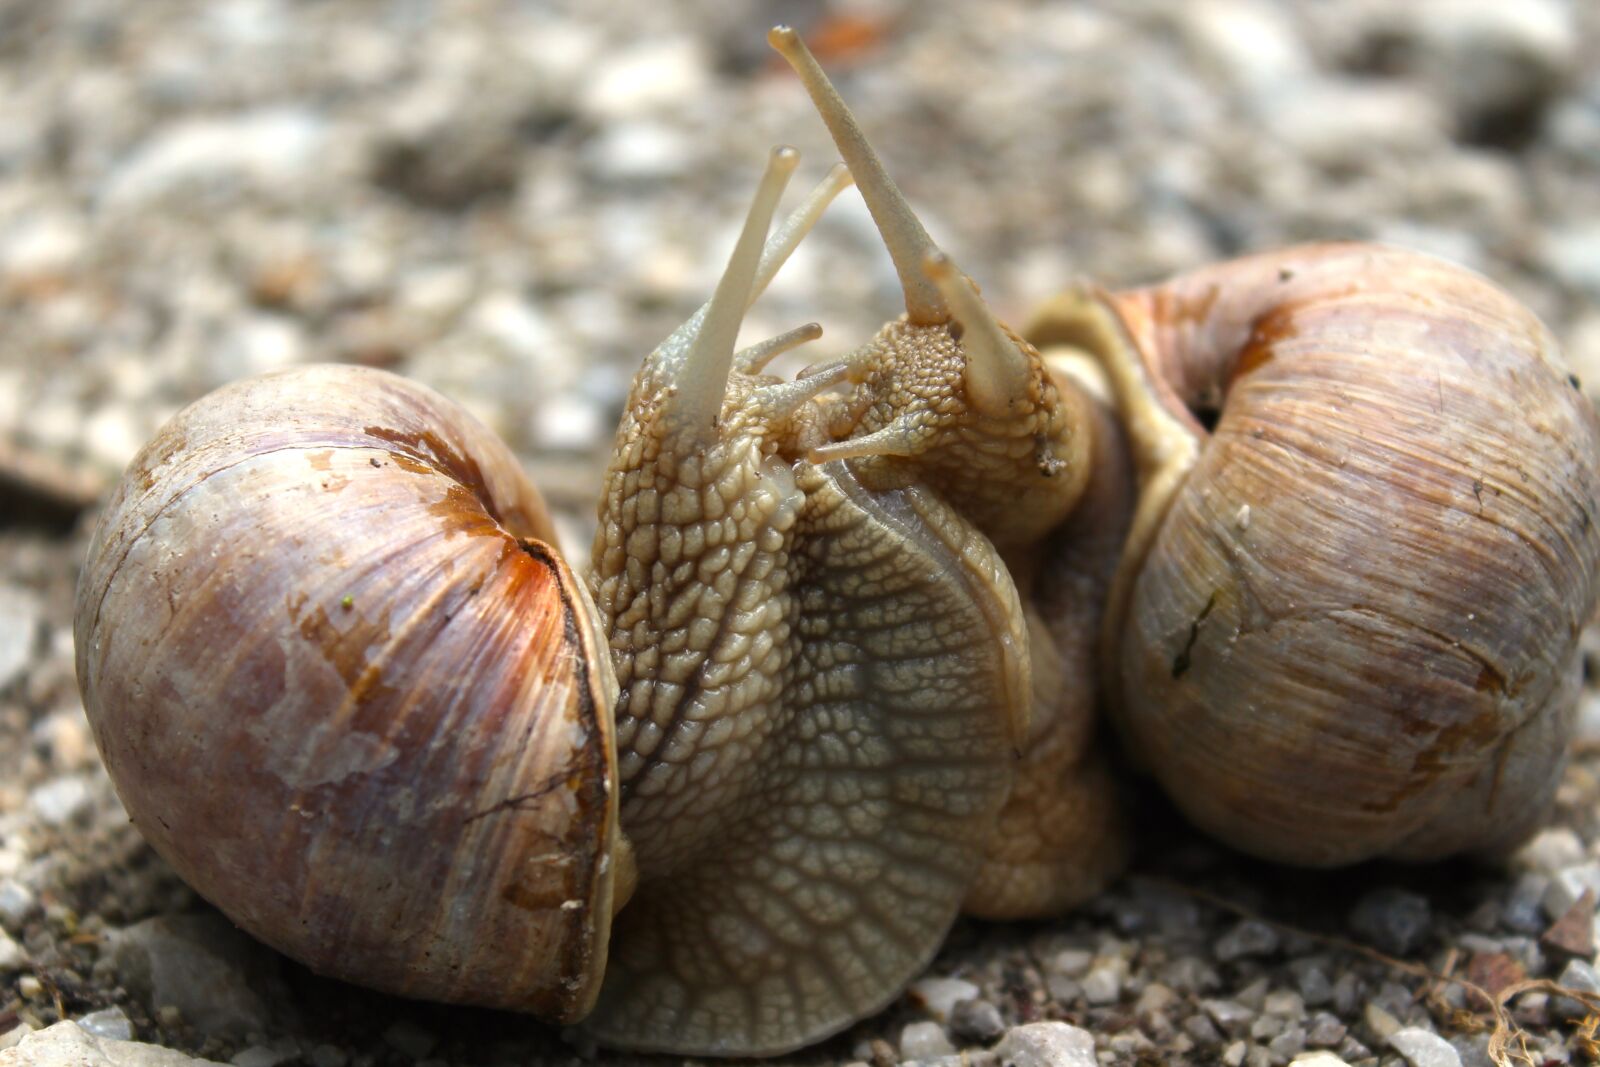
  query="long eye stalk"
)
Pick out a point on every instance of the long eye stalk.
point(908, 243)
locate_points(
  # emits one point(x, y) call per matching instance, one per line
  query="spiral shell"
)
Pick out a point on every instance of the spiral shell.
point(345, 692)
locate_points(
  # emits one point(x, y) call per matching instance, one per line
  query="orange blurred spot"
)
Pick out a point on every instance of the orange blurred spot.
point(842, 40)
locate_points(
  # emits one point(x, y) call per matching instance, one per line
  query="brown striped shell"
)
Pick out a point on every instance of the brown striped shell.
point(1346, 624)
point(344, 687)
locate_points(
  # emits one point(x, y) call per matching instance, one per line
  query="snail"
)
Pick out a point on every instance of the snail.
point(826, 681)
point(723, 790)
point(1346, 621)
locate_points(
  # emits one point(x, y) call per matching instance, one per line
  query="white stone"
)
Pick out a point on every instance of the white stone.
point(273, 148)
point(112, 436)
point(16, 903)
point(1102, 985)
point(514, 323)
point(568, 422)
point(20, 615)
point(939, 995)
point(61, 800)
point(1568, 885)
point(1331, 120)
point(1050, 1044)
point(66, 1044)
point(198, 964)
point(258, 344)
point(1422, 1048)
point(44, 242)
point(924, 1040)
point(1571, 252)
point(639, 150)
point(108, 1022)
point(280, 1051)
point(660, 75)
point(1551, 850)
point(1072, 962)
point(1380, 1022)
point(1251, 41)
point(1319, 1058)
point(12, 956)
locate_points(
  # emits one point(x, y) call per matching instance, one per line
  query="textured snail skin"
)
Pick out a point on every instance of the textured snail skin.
point(346, 697)
point(1347, 622)
point(1061, 837)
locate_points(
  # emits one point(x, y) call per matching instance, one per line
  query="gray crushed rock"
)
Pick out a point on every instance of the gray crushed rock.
point(514, 204)
point(1422, 1048)
point(66, 1044)
point(1047, 1044)
point(215, 977)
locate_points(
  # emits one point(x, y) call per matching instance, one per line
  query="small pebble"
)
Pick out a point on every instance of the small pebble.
point(1190, 974)
point(1577, 975)
point(409, 1039)
point(12, 957)
point(61, 800)
point(1573, 933)
point(1326, 1030)
point(1311, 978)
point(1473, 1050)
point(199, 964)
point(281, 1051)
point(21, 614)
point(1285, 1004)
point(1287, 1044)
point(1155, 998)
point(30, 987)
point(1422, 1048)
point(1102, 985)
point(1347, 993)
point(1392, 920)
point(329, 1056)
point(1233, 1018)
point(1523, 911)
point(1047, 1044)
point(1248, 937)
point(108, 1022)
point(16, 904)
point(1321, 1058)
point(939, 995)
point(1382, 1024)
point(1071, 962)
point(924, 1040)
point(1202, 1031)
point(1551, 850)
point(1567, 885)
point(976, 1021)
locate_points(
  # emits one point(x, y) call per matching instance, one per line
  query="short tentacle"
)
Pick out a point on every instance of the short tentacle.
point(997, 373)
point(754, 359)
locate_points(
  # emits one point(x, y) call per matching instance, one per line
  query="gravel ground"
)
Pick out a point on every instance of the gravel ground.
point(513, 202)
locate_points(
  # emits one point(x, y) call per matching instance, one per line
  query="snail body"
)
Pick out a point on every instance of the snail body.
point(828, 679)
point(1346, 621)
point(722, 794)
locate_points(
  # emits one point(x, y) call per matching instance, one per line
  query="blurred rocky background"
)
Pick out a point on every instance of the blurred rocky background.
point(513, 202)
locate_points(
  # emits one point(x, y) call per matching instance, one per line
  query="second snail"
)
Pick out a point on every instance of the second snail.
point(1315, 528)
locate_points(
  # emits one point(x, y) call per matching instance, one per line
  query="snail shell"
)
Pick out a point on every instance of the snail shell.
point(327, 662)
point(1346, 622)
